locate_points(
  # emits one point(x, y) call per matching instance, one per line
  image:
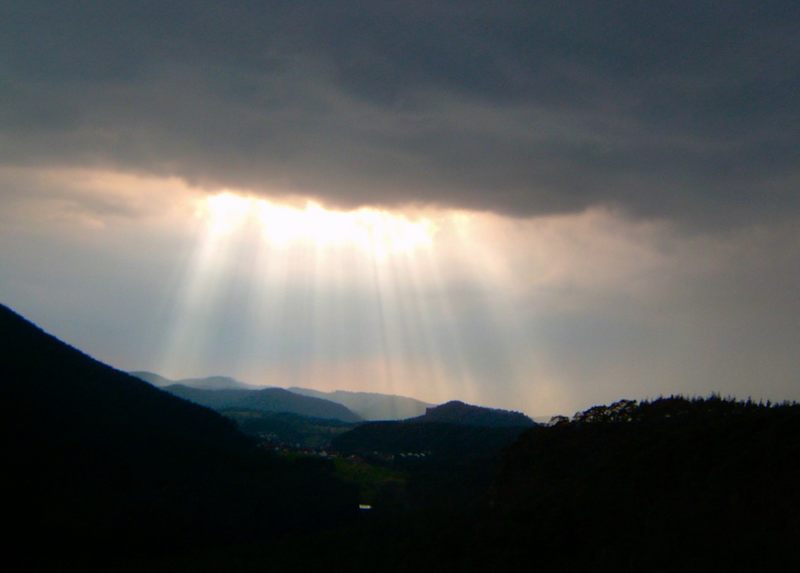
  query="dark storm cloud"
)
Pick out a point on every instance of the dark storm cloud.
point(677, 109)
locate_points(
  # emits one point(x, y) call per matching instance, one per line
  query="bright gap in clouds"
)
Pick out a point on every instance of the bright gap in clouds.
point(376, 231)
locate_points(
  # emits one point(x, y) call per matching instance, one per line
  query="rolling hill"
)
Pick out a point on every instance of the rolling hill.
point(207, 383)
point(456, 412)
point(265, 400)
point(371, 405)
point(452, 430)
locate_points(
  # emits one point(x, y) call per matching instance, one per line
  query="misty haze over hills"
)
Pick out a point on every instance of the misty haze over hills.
point(225, 393)
point(371, 405)
point(265, 400)
point(207, 383)
point(366, 405)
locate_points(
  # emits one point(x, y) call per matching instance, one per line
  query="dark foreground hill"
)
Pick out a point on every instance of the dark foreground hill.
point(371, 405)
point(674, 485)
point(98, 464)
point(670, 485)
point(265, 400)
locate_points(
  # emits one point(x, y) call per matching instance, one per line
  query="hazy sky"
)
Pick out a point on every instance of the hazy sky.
point(530, 205)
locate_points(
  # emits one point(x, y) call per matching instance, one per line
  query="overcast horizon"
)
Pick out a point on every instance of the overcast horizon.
point(530, 206)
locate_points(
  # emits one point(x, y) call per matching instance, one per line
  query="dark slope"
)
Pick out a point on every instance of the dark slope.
point(99, 464)
point(206, 383)
point(51, 388)
point(673, 485)
point(371, 405)
point(456, 412)
point(265, 400)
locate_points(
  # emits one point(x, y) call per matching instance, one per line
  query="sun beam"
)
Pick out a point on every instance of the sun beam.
point(369, 299)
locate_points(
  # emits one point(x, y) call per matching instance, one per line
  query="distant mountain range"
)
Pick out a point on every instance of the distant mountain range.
point(365, 405)
point(370, 405)
point(225, 393)
point(264, 400)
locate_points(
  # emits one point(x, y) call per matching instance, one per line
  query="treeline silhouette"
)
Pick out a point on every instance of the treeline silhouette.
point(673, 484)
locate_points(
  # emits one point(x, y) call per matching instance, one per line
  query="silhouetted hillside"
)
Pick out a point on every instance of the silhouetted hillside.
point(370, 405)
point(456, 412)
point(207, 383)
point(102, 465)
point(265, 400)
point(673, 485)
point(62, 390)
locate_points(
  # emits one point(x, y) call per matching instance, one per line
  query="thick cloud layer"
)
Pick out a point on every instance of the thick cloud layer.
point(685, 110)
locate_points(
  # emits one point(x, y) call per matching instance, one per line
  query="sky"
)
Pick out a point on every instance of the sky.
point(534, 206)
